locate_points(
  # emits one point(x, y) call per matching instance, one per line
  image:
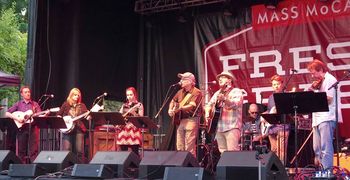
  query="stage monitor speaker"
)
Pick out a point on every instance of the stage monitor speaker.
point(8, 157)
point(92, 171)
point(54, 161)
point(153, 164)
point(25, 170)
point(123, 163)
point(186, 173)
point(244, 165)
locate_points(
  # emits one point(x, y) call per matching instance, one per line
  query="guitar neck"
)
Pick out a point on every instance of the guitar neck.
point(81, 116)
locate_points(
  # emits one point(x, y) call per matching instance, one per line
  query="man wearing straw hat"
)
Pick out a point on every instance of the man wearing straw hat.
point(228, 100)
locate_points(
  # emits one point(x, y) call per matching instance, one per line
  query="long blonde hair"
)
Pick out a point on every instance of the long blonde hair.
point(71, 93)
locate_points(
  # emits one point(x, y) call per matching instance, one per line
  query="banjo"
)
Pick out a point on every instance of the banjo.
point(69, 121)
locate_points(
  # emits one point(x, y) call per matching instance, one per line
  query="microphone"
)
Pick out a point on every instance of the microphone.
point(49, 95)
point(294, 70)
point(102, 95)
point(177, 84)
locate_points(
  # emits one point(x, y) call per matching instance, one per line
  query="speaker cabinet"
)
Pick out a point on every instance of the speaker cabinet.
point(8, 157)
point(244, 165)
point(54, 161)
point(153, 164)
point(25, 170)
point(122, 163)
point(92, 171)
point(186, 173)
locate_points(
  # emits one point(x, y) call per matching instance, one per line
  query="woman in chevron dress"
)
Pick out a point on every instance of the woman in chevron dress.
point(129, 137)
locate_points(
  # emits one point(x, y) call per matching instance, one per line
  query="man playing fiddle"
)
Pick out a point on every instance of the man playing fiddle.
point(323, 123)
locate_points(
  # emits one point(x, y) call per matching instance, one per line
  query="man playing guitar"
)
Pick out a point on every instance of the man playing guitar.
point(25, 105)
point(183, 110)
point(230, 102)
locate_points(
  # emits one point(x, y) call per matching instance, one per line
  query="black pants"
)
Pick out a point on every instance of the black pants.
point(28, 143)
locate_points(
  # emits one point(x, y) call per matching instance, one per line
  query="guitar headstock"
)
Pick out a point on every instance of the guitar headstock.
point(56, 109)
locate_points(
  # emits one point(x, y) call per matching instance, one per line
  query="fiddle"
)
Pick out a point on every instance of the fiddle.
point(316, 85)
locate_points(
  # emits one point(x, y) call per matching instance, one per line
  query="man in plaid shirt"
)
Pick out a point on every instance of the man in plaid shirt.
point(229, 100)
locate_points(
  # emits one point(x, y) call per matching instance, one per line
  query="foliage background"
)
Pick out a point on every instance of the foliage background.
point(13, 43)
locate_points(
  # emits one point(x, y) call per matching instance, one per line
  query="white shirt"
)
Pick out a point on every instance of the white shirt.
point(319, 117)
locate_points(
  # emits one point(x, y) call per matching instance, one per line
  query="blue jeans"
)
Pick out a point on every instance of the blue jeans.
point(323, 143)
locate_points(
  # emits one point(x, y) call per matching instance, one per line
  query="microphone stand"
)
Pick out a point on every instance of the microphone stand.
point(290, 77)
point(42, 106)
point(335, 86)
point(295, 130)
point(99, 99)
point(166, 99)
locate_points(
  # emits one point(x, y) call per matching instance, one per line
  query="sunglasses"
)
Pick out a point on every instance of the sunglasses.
point(253, 112)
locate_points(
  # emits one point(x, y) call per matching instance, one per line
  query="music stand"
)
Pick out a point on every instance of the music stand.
point(277, 118)
point(5, 124)
point(101, 118)
point(49, 122)
point(143, 122)
point(300, 102)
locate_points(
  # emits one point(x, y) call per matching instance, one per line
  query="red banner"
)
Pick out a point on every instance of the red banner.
point(286, 39)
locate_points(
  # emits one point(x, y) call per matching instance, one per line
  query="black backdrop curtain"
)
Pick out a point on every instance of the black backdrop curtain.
point(84, 44)
point(106, 47)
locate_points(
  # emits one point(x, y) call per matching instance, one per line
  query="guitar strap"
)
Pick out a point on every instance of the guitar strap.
point(185, 99)
point(225, 93)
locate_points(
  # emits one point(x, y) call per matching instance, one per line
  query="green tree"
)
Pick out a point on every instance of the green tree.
point(13, 48)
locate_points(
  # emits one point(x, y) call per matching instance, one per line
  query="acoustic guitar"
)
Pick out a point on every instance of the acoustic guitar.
point(27, 116)
point(213, 113)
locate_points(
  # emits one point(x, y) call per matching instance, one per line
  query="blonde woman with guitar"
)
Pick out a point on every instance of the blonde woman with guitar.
point(74, 113)
point(129, 136)
point(182, 109)
point(28, 107)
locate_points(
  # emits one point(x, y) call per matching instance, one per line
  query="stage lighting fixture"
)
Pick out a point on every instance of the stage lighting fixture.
point(271, 4)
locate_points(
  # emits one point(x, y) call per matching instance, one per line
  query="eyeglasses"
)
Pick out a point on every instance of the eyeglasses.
point(253, 112)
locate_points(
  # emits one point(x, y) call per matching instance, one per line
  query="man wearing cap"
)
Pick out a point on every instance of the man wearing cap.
point(184, 110)
point(230, 102)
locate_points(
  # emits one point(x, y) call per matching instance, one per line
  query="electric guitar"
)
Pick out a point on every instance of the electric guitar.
point(27, 116)
point(69, 121)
